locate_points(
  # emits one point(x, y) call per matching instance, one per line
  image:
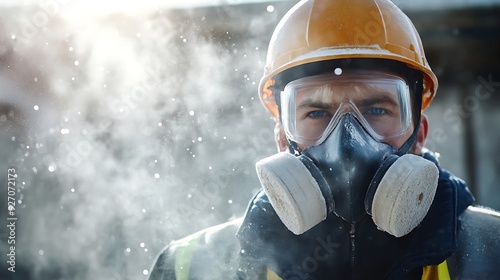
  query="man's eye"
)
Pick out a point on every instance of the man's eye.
point(376, 111)
point(318, 114)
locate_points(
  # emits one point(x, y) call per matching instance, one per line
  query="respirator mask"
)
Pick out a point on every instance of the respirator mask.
point(339, 127)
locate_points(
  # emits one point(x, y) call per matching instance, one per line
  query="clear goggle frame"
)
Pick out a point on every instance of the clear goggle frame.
point(313, 106)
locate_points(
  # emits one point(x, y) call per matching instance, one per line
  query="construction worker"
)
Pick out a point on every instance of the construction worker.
point(352, 193)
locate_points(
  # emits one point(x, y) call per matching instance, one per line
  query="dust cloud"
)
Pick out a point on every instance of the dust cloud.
point(126, 131)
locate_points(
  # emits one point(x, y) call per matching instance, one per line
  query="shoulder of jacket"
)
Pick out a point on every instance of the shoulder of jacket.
point(479, 226)
point(209, 245)
point(478, 244)
point(221, 232)
point(481, 217)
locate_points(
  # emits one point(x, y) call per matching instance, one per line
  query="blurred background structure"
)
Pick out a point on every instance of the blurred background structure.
point(130, 124)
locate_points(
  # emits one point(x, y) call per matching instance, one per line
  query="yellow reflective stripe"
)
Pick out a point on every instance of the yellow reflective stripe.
point(183, 256)
point(433, 272)
point(272, 276)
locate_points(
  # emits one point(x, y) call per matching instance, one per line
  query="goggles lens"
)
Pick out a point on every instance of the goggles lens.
point(312, 106)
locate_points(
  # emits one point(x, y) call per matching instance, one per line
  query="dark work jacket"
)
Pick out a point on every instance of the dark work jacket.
point(463, 238)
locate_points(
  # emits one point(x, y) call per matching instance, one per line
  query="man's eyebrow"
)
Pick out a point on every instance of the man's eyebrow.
point(314, 103)
point(378, 99)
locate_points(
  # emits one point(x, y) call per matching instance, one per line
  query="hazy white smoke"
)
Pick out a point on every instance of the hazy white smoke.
point(146, 128)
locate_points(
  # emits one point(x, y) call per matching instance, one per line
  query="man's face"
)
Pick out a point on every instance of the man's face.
point(313, 106)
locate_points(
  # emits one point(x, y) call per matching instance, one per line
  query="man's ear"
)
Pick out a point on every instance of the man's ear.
point(280, 137)
point(421, 134)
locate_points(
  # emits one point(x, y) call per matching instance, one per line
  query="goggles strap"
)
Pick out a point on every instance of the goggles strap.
point(407, 145)
point(417, 93)
point(293, 147)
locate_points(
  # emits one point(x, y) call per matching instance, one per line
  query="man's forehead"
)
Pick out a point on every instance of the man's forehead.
point(322, 94)
point(330, 94)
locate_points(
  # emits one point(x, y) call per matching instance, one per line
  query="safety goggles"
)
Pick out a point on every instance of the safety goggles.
point(312, 106)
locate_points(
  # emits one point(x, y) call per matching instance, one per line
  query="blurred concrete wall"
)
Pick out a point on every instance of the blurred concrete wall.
point(463, 48)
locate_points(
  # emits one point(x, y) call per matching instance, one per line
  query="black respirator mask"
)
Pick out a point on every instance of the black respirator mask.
point(337, 127)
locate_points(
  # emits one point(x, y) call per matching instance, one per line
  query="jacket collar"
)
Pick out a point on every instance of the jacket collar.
point(436, 237)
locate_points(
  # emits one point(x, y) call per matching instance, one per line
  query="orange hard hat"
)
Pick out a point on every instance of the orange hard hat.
point(322, 30)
